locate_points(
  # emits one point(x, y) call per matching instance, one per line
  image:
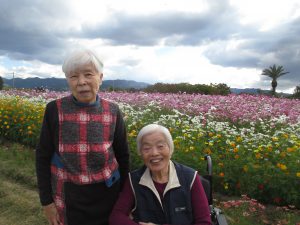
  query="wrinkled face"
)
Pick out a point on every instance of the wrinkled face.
point(84, 83)
point(155, 152)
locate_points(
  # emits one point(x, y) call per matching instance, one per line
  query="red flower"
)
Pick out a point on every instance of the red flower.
point(261, 187)
point(277, 200)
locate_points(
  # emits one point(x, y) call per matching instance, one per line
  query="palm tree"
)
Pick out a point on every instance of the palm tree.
point(297, 92)
point(274, 72)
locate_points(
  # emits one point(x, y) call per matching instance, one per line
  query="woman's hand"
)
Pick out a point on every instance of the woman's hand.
point(51, 214)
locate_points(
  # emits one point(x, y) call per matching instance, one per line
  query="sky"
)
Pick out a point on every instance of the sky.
point(169, 41)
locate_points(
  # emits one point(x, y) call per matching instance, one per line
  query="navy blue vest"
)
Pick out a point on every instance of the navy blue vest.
point(177, 206)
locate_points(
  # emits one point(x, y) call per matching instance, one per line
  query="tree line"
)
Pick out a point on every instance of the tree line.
point(274, 72)
point(212, 89)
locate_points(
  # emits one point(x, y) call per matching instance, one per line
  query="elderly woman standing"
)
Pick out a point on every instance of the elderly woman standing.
point(82, 156)
point(162, 191)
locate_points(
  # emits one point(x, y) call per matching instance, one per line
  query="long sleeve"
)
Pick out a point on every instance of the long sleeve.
point(120, 146)
point(199, 203)
point(44, 151)
point(123, 207)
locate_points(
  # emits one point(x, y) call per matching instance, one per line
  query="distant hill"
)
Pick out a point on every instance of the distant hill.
point(60, 84)
point(255, 91)
point(245, 90)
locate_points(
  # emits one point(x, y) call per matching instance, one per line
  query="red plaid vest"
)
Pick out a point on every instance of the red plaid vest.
point(85, 146)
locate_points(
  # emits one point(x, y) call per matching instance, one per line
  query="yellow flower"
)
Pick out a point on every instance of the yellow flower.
point(238, 139)
point(221, 164)
point(283, 167)
point(207, 151)
point(282, 154)
point(274, 139)
point(245, 168)
point(200, 134)
point(235, 150)
point(258, 155)
point(298, 174)
point(285, 135)
point(226, 186)
point(192, 148)
point(132, 133)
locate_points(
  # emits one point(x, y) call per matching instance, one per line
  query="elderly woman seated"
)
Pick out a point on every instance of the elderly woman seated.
point(162, 191)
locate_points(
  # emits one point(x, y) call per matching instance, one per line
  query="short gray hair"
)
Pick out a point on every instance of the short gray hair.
point(152, 128)
point(79, 58)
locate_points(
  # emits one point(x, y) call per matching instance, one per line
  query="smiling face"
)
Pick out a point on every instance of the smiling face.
point(155, 152)
point(84, 83)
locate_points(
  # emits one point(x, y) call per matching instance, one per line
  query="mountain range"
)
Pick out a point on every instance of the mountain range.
point(60, 84)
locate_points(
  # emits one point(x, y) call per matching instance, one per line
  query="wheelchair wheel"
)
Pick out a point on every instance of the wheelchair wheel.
point(221, 220)
point(217, 217)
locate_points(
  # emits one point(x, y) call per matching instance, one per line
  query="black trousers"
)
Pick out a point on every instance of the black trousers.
point(90, 204)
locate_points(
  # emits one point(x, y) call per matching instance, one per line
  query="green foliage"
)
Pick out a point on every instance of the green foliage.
point(260, 159)
point(296, 93)
point(20, 204)
point(20, 119)
point(212, 89)
point(119, 89)
point(274, 72)
point(1, 83)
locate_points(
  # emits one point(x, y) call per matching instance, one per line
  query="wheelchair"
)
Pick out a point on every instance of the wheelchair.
point(217, 216)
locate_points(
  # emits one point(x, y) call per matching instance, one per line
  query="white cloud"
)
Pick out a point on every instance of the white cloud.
point(266, 13)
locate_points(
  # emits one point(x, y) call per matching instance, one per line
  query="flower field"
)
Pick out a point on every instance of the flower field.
point(254, 141)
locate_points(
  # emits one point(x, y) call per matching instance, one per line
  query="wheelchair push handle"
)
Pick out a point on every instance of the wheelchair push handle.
point(209, 164)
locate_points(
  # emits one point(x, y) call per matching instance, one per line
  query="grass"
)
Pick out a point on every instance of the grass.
point(20, 203)
point(18, 191)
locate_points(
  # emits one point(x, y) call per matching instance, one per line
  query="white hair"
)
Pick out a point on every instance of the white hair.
point(80, 58)
point(152, 128)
